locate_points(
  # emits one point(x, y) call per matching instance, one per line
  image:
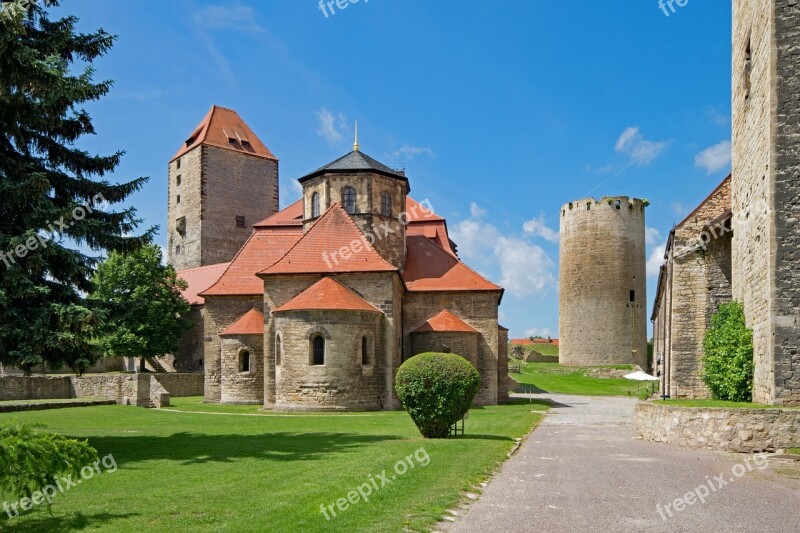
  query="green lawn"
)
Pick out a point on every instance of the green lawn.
point(550, 377)
point(245, 470)
point(721, 403)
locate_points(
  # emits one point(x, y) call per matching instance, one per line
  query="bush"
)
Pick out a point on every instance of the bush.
point(728, 361)
point(30, 460)
point(436, 389)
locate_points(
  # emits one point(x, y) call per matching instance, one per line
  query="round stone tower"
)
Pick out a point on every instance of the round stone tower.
point(603, 280)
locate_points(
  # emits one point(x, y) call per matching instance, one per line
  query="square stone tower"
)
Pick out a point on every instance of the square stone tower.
point(766, 189)
point(221, 182)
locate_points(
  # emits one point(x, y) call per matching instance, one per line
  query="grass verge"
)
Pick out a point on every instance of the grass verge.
point(192, 471)
point(549, 377)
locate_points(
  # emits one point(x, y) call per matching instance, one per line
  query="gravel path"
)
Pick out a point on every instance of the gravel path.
point(582, 469)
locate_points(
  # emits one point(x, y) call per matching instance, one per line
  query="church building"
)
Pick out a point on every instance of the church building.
point(316, 306)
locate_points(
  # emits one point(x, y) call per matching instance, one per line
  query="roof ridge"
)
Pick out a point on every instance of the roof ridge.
point(315, 287)
point(458, 260)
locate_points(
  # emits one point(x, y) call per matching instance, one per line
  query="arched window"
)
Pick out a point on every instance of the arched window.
point(315, 205)
point(364, 351)
point(318, 350)
point(278, 349)
point(244, 361)
point(349, 199)
point(386, 204)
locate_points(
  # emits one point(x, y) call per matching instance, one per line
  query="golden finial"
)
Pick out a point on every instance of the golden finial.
point(355, 144)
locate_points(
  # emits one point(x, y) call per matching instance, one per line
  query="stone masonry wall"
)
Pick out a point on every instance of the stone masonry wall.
point(343, 382)
point(460, 343)
point(238, 386)
point(479, 310)
point(602, 259)
point(786, 198)
point(504, 380)
point(185, 250)
point(220, 313)
point(730, 430)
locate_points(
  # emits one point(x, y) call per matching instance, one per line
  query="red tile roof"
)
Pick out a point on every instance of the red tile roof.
point(262, 249)
point(219, 128)
point(416, 212)
point(528, 342)
point(430, 268)
point(327, 295)
point(445, 322)
point(251, 323)
point(289, 216)
point(318, 251)
point(200, 279)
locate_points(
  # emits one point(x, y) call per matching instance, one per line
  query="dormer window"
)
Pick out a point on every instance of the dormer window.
point(349, 200)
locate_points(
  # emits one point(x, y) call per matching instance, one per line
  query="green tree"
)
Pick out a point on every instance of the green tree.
point(437, 390)
point(142, 300)
point(728, 360)
point(31, 460)
point(55, 201)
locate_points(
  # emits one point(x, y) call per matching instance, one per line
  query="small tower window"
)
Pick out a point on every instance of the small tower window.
point(349, 200)
point(180, 226)
point(240, 221)
point(748, 69)
point(178, 163)
point(386, 204)
point(364, 351)
point(178, 199)
point(633, 296)
point(244, 361)
point(618, 204)
point(315, 205)
point(318, 350)
point(178, 179)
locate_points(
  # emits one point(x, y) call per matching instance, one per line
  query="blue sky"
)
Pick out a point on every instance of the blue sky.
point(500, 112)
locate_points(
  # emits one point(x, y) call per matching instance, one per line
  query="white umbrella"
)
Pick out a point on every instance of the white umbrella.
point(641, 376)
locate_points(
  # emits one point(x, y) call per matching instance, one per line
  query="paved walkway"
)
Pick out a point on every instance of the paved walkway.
point(583, 470)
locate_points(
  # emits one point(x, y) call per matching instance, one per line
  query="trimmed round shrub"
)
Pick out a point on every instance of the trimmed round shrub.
point(728, 361)
point(436, 389)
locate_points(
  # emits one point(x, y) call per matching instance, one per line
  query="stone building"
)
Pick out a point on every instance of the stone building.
point(222, 180)
point(602, 282)
point(325, 299)
point(693, 282)
point(761, 231)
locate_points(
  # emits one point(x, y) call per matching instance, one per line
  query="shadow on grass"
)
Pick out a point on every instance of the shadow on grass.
point(468, 436)
point(198, 448)
point(59, 524)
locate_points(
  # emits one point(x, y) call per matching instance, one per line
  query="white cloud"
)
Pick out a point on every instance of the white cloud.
point(524, 268)
point(331, 127)
point(538, 332)
point(412, 151)
point(640, 151)
point(538, 228)
point(651, 236)
point(679, 209)
point(655, 260)
point(715, 158)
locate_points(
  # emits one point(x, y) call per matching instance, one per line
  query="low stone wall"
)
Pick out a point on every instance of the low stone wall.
point(731, 430)
point(179, 385)
point(13, 408)
point(144, 390)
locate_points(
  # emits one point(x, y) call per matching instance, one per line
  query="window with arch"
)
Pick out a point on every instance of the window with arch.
point(364, 351)
point(349, 199)
point(315, 205)
point(318, 350)
point(386, 204)
point(244, 361)
point(278, 349)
